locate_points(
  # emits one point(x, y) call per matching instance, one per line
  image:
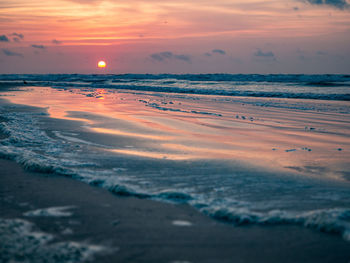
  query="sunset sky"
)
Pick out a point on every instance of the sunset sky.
point(175, 36)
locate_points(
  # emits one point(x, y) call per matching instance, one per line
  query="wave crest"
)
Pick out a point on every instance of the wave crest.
point(335, 220)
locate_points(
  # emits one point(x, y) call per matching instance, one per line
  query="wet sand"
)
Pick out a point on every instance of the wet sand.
point(179, 127)
point(137, 230)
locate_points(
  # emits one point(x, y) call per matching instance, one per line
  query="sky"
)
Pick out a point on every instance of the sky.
point(175, 36)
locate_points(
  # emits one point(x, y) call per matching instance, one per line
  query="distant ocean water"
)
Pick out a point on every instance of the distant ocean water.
point(229, 192)
point(322, 87)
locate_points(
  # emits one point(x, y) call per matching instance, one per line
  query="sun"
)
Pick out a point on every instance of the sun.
point(101, 64)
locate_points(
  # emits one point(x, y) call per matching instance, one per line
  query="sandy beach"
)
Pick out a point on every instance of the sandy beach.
point(63, 211)
point(135, 230)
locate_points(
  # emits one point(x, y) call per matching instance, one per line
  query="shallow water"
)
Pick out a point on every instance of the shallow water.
point(240, 159)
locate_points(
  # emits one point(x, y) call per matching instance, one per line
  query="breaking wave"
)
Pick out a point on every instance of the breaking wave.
point(319, 87)
point(335, 220)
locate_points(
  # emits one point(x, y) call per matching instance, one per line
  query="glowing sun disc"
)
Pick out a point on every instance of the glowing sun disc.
point(101, 64)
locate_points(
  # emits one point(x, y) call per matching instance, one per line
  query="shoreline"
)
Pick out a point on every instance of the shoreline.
point(139, 230)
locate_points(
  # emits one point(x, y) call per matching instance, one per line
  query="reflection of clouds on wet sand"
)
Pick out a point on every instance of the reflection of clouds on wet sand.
point(165, 126)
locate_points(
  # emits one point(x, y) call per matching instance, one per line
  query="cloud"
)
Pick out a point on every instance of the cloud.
point(18, 35)
point(38, 46)
point(264, 55)
point(340, 4)
point(11, 53)
point(56, 42)
point(260, 53)
point(162, 56)
point(4, 38)
point(167, 55)
point(85, 2)
point(215, 52)
point(218, 51)
point(183, 57)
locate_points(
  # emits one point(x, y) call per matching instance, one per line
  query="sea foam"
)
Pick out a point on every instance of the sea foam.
point(39, 246)
point(335, 220)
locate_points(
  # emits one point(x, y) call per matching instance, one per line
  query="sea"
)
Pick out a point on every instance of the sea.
point(243, 149)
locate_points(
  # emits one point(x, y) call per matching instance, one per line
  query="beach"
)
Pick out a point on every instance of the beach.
point(116, 175)
point(136, 230)
point(174, 131)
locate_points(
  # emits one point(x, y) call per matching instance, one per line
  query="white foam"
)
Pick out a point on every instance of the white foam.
point(335, 220)
point(73, 139)
point(34, 149)
point(59, 211)
point(26, 244)
point(181, 223)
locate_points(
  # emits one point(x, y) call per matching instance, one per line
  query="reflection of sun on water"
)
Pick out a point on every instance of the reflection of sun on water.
point(101, 64)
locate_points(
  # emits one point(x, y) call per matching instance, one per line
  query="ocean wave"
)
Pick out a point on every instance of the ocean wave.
point(218, 92)
point(291, 78)
point(33, 148)
point(319, 87)
point(123, 190)
point(238, 93)
point(335, 220)
point(172, 195)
